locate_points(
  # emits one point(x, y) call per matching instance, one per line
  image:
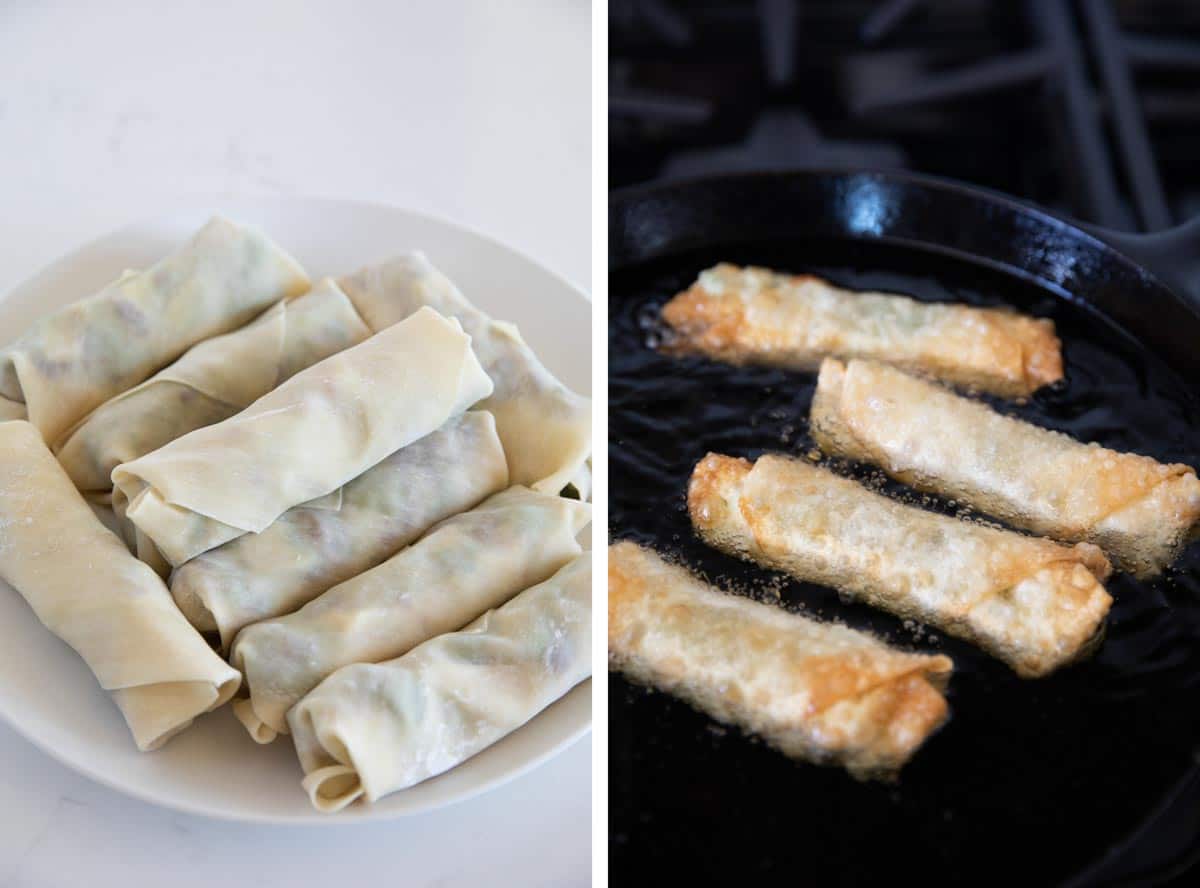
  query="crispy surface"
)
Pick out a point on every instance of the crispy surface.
point(817, 691)
point(1032, 603)
point(754, 315)
point(1139, 510)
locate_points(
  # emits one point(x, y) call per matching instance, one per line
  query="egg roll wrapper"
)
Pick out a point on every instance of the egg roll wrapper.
point(73, 360)
point(303, 440)
point(546, 428)
point(214, 380)
point(372, 729)
point(86, 588)
point(467, 564)
point(313, 547)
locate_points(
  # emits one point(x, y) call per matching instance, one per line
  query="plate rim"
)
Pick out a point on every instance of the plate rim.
point(354, 814)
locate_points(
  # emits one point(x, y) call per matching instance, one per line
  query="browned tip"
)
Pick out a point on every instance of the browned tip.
point(711, 478)
point(703, 322)
point(917, 709)
point(1042, 353)
point(622, 585)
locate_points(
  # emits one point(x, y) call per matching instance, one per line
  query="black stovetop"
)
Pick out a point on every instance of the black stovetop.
point(1091, 108)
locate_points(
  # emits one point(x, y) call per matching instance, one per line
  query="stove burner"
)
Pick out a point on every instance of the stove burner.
point(1090, 107)
point(784, 138)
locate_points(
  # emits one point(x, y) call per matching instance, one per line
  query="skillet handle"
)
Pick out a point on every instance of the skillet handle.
point(1172, 255)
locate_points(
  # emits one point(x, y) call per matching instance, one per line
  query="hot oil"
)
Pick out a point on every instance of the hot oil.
point(1030, 781)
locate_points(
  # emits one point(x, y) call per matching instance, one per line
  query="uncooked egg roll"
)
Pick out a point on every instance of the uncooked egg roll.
point(372, 729)
point(88, 590)
point(75, 359)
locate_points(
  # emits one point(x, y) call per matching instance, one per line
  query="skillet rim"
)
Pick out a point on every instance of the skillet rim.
point(1091, 237)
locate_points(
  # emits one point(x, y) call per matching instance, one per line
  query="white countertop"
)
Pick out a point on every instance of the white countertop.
point(474, 111)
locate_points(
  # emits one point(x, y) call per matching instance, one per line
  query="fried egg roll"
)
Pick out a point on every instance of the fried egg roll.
point(1138, 510)
point(816, 691)
point(1032, 603)
point(759, 316)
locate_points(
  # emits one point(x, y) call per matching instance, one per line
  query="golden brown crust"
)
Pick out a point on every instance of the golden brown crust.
point(707, 326)
point(1041, 349)
point(1033, 603)
point(896, 717)
point(715, 474)
point(816, 691)
point(1139, 510)
point(755, 315)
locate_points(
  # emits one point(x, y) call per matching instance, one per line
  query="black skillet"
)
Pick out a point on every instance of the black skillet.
point(1089, 777)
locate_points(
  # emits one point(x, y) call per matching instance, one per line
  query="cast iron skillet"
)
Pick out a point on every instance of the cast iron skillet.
point(1089, 777)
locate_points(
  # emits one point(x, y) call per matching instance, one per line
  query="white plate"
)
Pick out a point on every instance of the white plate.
point(214, 768)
